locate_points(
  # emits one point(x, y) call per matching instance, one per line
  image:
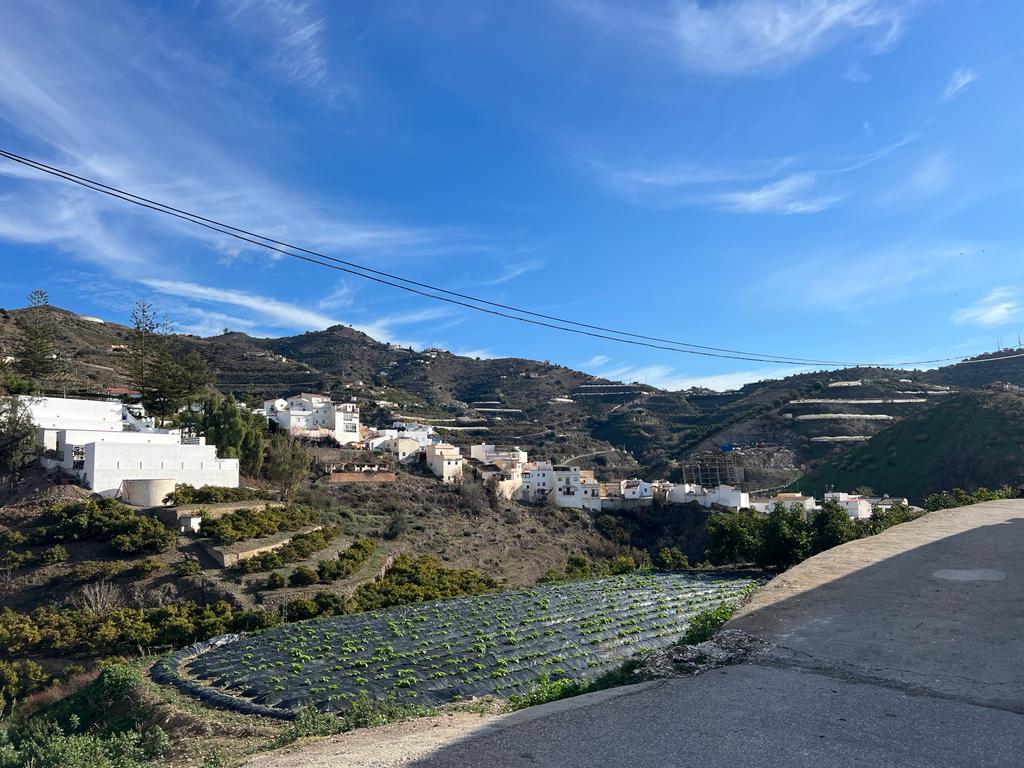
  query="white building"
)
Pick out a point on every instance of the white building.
point(722, 495)
point(405, 449)
point(489, 454)
point(104, 444)
point(422, 434)
point(107, 465)
point(766, 504)
point(856, 506)
point(538, 481)
point(576, 488)
point(315, 416)
point(445, 461)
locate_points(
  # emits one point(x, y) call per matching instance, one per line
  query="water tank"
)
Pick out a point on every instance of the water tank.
point(146, 493)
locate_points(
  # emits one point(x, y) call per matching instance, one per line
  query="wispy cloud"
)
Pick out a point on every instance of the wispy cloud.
point(999, 306)
point(793, 194)
point(856, 73)
point(291, 34)
point(511, 271)
point(597, 361)
point(270, 311)
point(850, 282)
point(811, 185)
point(154, 116)
point(960, 79)
point(342, 296)
point(745, 37)
point(666, 377)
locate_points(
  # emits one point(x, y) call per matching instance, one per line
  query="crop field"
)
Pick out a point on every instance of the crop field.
point(448, 650)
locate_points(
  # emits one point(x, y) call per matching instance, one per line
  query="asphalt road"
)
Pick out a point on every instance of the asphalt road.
point(905, 649)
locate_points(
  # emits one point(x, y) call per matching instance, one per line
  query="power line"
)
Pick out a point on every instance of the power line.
point(463, 300)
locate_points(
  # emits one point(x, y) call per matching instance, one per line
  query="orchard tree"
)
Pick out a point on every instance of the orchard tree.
point(287, 464)
point(784, 537)
point(17, 439)
point(830, 527)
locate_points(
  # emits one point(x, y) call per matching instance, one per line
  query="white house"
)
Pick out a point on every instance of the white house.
point(53, 414)
point(856, 506)
point(445, 461)
point(767, 504)
point(538, 481)
point(105, 444)
point(576, 488)
point(422, 434)
point(489, 454)
point(721, 495)
point(313, 415)
point(405, 449)
point(107, 465)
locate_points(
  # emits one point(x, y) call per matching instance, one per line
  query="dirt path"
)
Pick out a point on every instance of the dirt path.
point(390, 745)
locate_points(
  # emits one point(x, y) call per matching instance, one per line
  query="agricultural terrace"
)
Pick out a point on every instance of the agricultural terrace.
point(449, 650)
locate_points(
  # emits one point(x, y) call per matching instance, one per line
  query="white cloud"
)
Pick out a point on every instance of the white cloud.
point(665, 377)
point(849, 282)
point(999, 306)
point(270, 311)
point(744, 37)
point(813, 184)
point(482, 353)
point(513, 270)
point(150, 114)
point(793, 194)
point(342, 296)
point(856, 73)
point(959, 80)
point(291, 36)
point(932, 177)
point(596, 362)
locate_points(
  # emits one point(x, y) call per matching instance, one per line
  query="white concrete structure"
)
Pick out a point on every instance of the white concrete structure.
point(489, 454)
point(445, 461)
point(721, 495)
point(312, 415)
point(423, 434)
point(147, 493)
point(105, 443)
point(108, 465)
point(538, 481)
point(856, 506)
point(405, 449)
point(576, 488)
point(53, 414)
point(804, 503)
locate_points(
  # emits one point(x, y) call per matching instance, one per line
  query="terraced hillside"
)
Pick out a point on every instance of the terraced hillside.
point(453, 649)
point(556, 413)
point(968, 440)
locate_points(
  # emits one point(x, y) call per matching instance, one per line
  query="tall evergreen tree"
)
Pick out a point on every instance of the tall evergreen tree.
point(17, 438)
point(36, 348)
point(287, 463)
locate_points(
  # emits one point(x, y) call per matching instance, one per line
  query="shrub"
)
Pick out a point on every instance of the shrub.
point(187, 567)
point(299, 548)
point(148, 565)
point(54, 554)
point(961, 498)
point(104, 519)
point(671, 559)
point(705, 624)
point(275, 580)
point(211, 494)
point(256, 523)
point(303, 577)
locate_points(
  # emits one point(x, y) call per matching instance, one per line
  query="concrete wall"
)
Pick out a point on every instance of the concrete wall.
point(362, 477)
point(108, 465)
point(69, 439)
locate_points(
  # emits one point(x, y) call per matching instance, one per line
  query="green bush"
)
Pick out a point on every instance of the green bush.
point(128, 532)
point(256, 523)
point(363, 712)
point(299, 548)
point(187, 567)
point(705, 624)
point(54, 554)
point(348, 561)
point(303, 577)
point(275, 580)
point(211, 494)
point(958, 497)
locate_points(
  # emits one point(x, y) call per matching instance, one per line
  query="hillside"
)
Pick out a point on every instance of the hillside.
point(972, 439)
point(554, 412)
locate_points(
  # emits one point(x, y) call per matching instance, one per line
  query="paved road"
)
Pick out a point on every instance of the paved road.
point(906, 649)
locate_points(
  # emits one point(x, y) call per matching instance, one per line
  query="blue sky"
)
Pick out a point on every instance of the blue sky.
point(834, 179)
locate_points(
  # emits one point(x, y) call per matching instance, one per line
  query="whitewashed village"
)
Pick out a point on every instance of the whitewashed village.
point(116, 450)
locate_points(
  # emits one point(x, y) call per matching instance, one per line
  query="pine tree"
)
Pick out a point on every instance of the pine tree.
point(36, 349)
